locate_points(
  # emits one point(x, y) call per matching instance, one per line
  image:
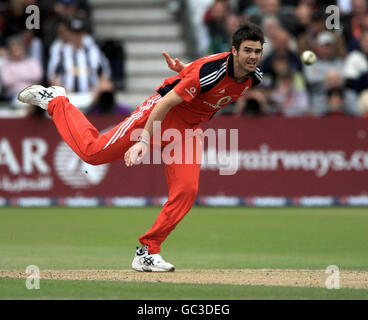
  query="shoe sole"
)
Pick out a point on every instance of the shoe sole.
point(27, 89)
point(147, 269)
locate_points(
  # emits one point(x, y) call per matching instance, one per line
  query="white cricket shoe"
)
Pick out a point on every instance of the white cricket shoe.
point(39, 95)
point(143, 261)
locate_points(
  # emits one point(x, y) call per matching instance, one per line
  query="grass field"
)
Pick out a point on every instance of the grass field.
point(208, 238)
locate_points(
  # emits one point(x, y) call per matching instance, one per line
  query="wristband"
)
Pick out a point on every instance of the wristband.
point(140, 139)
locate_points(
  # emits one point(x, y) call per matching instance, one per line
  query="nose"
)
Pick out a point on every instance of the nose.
point(252, 55)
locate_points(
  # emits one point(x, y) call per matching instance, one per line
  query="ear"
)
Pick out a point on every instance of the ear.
point(234, 51)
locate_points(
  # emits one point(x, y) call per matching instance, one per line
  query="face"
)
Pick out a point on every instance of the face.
point(271, 7)
point(271, 29)
point(281, 41)
point(219, 10)
point(247, 58)
point(326, 51)
point(16, 50)
point(359, 6)
point(63, 32)
point(304, 13)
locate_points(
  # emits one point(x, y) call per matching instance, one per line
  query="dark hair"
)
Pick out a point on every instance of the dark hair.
point(319, 15)
point(247, 31)
point(337, 90)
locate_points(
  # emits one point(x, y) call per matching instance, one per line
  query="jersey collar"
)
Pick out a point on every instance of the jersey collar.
point(230, 65)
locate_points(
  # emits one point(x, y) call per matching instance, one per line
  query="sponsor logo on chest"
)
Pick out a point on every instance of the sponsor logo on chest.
point(220, 102)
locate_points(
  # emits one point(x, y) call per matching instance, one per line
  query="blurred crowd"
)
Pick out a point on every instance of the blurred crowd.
point(336, 84)
point(62, 51)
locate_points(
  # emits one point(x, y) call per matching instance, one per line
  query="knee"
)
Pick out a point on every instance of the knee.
point(93, 160)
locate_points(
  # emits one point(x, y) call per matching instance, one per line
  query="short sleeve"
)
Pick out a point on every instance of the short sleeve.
point(189, 86)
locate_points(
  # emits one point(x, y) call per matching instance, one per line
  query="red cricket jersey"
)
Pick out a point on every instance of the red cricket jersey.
point(206, 86)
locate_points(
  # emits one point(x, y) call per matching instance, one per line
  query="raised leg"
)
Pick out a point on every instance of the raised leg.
point(85, 139)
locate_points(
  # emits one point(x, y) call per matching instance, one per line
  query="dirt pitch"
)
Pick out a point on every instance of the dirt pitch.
point(267, 277)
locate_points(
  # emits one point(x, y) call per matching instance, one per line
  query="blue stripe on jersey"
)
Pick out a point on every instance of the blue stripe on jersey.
point(212, 73)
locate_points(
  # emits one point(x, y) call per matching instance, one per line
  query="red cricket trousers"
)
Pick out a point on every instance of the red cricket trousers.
point(182, 178)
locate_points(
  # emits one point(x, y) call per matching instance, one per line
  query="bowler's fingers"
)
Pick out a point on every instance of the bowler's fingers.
point(126, 158)
point(167, 57)
point(171, 63)
point(130, 157)
point(133, 156)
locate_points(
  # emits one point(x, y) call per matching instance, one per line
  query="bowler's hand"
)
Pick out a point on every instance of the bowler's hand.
point(135, 154)
point(173, 64)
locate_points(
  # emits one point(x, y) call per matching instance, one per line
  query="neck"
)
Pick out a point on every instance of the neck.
point(239, 73)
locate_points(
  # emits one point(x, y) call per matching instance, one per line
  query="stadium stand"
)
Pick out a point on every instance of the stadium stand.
point(132, 34)
point(146, 28)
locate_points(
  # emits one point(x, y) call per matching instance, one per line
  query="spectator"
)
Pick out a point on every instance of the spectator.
point(33, 45)
point(105, 101)
point(303, 15)
point(270, 8)
point(336, 98)
point(263, 9)
point(356, 66)
point(271, 27)
point(79, 65)
point(63, 9)
point(354, 23)
point(308, 39)
point(232, 24)
point(18, 71)
point(335, 102)
point(281, 45)
point(56, 48)
point(12, 18)
point(215, 20)
point(315, 74)
point(287, 98)
point(116, 55)
point(281, 63)
point(255, 103)
point(62, 31)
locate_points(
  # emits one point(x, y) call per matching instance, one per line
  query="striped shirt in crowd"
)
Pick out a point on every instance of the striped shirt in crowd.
point(78, 69)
